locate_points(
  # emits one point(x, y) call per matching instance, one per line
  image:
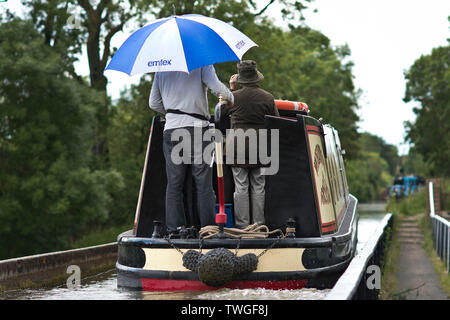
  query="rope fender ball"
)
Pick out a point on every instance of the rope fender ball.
point(219, 266)
point(190, 259)
point(216, 267)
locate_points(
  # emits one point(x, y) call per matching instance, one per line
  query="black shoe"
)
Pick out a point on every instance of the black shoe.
point(192, 232)
point(180, 233)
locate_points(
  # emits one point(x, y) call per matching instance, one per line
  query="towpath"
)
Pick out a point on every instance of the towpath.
point(417, 279)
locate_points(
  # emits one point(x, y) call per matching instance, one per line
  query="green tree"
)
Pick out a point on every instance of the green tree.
point(93, 24)
point(49, 195)
point(428, 84)
point(84, 22)
point(373, 143)
point(368, 176)
point(128, 137)
point(227, 9)
point(51, 19)
point(413, 163)
point(371, 173)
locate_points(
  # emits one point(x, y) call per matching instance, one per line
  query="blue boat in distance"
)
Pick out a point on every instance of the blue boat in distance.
point(406, 185)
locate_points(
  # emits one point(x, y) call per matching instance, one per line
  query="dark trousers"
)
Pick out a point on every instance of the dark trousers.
point(176, 175)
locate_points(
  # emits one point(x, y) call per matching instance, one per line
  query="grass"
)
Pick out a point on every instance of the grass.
point(411, 205)
point(445, 194)
point(438, 264)
point(101, 236)
point(389, 281)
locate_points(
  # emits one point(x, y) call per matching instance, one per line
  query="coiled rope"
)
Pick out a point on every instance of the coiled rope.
point(251, 232)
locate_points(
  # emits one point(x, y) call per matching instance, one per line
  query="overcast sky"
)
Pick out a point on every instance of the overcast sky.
point(385, 38)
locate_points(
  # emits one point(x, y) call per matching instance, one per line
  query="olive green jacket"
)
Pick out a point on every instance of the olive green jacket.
point(251, 105)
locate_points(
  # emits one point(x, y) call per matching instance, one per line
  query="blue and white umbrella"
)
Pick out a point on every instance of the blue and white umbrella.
point(180, 43)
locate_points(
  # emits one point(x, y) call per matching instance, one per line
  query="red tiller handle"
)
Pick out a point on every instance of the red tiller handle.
point(221, 217)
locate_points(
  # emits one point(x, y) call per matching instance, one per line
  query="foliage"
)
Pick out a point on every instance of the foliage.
point(368, 176)
point(388, 152)
point(225, 10)
point(128, 136)
point(94, 23)
point(413, 163)
point(410, 205)
point(444, 189)
point(371, 174)
point(392, 250)
point(49, 194)
point(50, 19)
point(427, 83)
point(101, 236)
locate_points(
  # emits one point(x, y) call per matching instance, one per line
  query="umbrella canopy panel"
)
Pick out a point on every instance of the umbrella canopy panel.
point(180, 43)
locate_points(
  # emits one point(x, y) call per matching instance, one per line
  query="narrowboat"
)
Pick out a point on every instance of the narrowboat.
point(310, 231)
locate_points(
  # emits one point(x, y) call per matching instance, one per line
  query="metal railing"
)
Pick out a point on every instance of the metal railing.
point(355, 283)
point(440, 231)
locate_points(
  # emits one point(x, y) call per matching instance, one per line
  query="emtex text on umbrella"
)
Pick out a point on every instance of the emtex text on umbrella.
point(161, 62)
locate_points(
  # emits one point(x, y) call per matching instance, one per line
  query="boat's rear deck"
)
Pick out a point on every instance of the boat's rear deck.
point(309, 189)
point(283, 263)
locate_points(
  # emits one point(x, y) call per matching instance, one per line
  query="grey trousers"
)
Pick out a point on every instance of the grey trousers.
point(245, 179)
point(202, 178)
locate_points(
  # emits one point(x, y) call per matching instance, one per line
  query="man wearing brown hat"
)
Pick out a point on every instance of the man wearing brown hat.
point(251, 105)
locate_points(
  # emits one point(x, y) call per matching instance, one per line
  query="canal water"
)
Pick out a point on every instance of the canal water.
point(103, 286)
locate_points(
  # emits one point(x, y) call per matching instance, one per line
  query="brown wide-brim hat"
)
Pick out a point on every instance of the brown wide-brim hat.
point(247, 72)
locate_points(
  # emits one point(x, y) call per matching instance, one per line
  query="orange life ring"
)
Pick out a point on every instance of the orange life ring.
point(291, 105)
